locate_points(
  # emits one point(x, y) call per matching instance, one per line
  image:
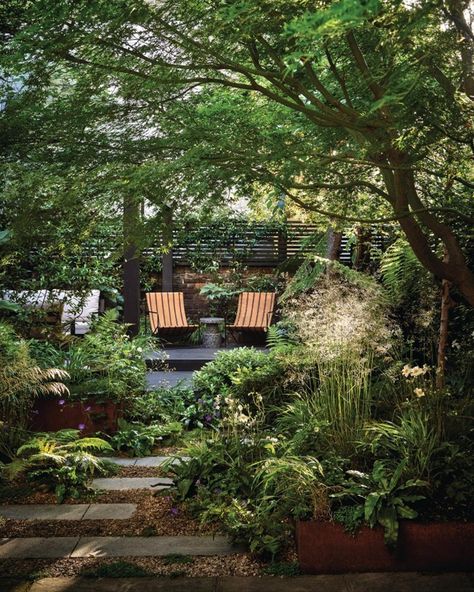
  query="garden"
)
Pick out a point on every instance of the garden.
point(236, 289)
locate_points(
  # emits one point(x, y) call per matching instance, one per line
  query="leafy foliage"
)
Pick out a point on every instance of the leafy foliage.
point(104, 365)
point(385, 497)
point(61, 461)
point(21, 381)
point(238, 372)
point(139, 439)
point(400, 270)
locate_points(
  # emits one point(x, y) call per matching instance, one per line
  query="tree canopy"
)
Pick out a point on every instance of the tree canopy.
point(356, 110)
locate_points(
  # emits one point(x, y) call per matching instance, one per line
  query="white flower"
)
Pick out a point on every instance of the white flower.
point(406, 371)
point(419, 392)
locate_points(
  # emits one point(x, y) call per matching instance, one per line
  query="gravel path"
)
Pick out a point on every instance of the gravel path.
point(155, 516)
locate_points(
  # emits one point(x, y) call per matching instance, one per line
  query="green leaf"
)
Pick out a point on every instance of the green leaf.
point(388, 518)
point(184, 487)
point(370, 507)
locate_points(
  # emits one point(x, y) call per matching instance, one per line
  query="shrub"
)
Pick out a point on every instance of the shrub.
point(103, 365)
point(139, 439)
point(178, 403)
point(239, 373)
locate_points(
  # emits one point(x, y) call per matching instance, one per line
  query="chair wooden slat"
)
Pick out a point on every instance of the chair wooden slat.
point(254, 311)
point(166, 311)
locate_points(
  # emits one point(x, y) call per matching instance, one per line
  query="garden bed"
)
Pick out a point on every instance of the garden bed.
point(325, 547)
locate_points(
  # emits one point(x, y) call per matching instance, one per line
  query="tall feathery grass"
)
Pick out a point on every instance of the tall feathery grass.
point(345, 329)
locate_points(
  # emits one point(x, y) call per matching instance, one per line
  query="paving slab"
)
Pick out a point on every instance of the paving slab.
point(110, 511)
point(153, 546)
point(37, 547)
point(146, 584)
point(127, 483)
point(156, 461)
point(118, 460)
point(321, 583)
point(324, 583)
point(44, 512)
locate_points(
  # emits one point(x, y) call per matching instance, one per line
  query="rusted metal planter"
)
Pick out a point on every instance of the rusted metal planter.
point(53, 414)
point(325, 547)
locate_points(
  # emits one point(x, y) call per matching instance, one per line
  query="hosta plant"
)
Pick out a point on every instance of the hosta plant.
point(384, 496)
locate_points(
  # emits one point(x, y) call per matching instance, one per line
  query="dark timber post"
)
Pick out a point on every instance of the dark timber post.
point(282, 231)
point(131, 264)
point(167, 257)
point(334, 244)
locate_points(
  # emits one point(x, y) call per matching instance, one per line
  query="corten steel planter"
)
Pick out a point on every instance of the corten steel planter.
point(325, 547)
point(50, 415)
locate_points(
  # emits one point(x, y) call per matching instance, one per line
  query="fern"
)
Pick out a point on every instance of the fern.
point(86, 444)
point(308, 274)
point(399, 268)
point(62, 461)
point(305, 278)
point(280, 335)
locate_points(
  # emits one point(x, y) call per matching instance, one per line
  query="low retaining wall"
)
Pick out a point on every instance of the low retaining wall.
point(325, 547)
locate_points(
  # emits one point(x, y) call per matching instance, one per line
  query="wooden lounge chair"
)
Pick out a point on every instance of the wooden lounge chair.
point(166, 312)
point(254, 312)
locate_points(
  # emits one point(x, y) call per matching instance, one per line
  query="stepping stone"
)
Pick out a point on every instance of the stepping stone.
point(37, 547)
point(153, 546)
point(44, 512)
point(145, 461)
point(68, 512)
point(78, 547)
point(118, 460)
point(156, 461)
point(110, 511)
point(126, 483)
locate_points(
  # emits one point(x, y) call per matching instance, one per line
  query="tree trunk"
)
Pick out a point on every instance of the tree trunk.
point(334, 244)
point(401, 188)
point(131, 265)
point(443, 334)
point(361, 255)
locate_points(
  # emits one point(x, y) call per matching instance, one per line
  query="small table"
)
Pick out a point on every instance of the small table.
point(211, 336)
